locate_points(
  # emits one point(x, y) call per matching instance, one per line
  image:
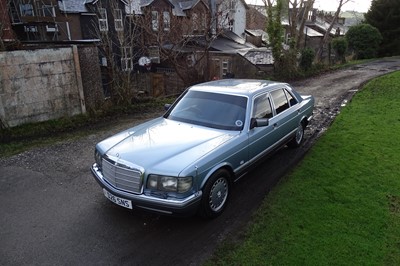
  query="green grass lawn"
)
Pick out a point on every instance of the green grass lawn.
point(341, 205)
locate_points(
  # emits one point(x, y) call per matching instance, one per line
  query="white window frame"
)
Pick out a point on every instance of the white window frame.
point(30, 28)
point(126, 58)
point(167, 21)
point(195, 19)
point(52, 28)
point(48, 9)
point(224, 67)
point(103, 22)
point(154, 20)
point(26, 10)
point(118, 24)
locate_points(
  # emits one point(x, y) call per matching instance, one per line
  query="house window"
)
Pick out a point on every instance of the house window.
point(154, 54)
point(167, 21)
point(119, 26)
point(26, 10)
point(103, 23)
point(30, 29)
point(154, 20)
point(48, 11)
point(310, 14)
point(204, 21)
point(126, 58)
point(195, 19)
point(52, 28)
point(225, 67)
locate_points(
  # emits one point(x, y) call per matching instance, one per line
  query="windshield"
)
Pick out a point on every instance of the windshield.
point(211, 110)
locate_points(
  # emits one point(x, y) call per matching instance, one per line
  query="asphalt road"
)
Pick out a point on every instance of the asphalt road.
point(54, 213)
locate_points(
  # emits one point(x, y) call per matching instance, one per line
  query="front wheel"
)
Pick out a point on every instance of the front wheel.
point(298, 138)
point(215, 194)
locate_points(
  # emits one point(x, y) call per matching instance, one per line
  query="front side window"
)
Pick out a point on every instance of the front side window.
point(103, 23)
point(280, 100)
point(221, 111)
point(154, 20)
point(262, 107)
point(118, 20)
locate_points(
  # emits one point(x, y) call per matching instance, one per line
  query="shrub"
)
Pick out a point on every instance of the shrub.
point(364, 39)
point(340, 45)
point(307, 58)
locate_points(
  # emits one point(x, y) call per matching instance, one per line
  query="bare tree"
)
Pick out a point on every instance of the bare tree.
point(325, 40)
point(182, 42)
point(118, 48)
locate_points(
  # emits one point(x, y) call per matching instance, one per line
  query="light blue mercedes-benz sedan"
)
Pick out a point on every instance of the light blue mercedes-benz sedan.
point(187, 160)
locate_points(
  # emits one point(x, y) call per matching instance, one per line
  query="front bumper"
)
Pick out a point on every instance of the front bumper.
point(185, 206)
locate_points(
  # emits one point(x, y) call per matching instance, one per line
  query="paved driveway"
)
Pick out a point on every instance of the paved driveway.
point(54, 213)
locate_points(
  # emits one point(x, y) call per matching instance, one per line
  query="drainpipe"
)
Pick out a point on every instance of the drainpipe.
point(213, 7)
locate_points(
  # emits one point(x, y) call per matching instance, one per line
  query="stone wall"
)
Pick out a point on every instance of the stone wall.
point(43, 84)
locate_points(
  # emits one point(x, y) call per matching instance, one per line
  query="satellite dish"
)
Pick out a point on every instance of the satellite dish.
point(144, 61)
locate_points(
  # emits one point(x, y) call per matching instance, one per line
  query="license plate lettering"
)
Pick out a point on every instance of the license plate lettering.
point(117, 200)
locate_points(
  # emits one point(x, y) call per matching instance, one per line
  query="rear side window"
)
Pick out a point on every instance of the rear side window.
point(262, 107)
point(280, 100)
point(291, 99)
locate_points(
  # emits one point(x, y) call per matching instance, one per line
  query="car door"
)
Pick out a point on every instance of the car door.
point(286, 118)
point(262, 139)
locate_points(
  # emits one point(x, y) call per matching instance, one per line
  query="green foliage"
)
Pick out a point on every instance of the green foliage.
point(275, 29)
point(364, 39)
point(340, 45)
point(307, 58)
point(341, 206)
point(385, 16)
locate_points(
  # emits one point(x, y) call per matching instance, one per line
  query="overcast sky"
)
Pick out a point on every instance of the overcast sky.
point(353, 5)
point(331, 5)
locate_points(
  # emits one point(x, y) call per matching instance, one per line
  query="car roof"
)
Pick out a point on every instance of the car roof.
point(244, 87)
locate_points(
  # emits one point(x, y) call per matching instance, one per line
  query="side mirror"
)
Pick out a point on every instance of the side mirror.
point(167, 106)
point(259, 122)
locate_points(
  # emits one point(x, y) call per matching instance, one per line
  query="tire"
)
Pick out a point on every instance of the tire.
point(216, 193)
point(298, 137)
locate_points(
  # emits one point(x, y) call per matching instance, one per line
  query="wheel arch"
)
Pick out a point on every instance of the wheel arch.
point(214, 169)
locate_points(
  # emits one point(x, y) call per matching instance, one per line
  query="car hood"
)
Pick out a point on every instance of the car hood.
point(163, 146)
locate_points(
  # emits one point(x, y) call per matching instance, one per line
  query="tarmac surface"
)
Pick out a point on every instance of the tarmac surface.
point(53, 212)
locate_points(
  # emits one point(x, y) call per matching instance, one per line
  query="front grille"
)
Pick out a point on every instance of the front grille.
point(122, 177)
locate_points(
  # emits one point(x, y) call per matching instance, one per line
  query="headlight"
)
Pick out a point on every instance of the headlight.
point(97, 158)
point(169, 183)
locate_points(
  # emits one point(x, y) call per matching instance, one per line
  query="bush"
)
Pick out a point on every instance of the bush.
point(307, 58)
point(364, 39)
point(340, 46)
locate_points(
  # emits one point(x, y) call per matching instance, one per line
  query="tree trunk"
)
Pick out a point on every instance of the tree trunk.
point(323, 42)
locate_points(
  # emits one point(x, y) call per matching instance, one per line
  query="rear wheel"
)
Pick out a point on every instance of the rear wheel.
point(298, 137)
point(215, 194)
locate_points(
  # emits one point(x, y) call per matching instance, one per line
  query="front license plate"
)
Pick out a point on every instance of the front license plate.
point(117, 200)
